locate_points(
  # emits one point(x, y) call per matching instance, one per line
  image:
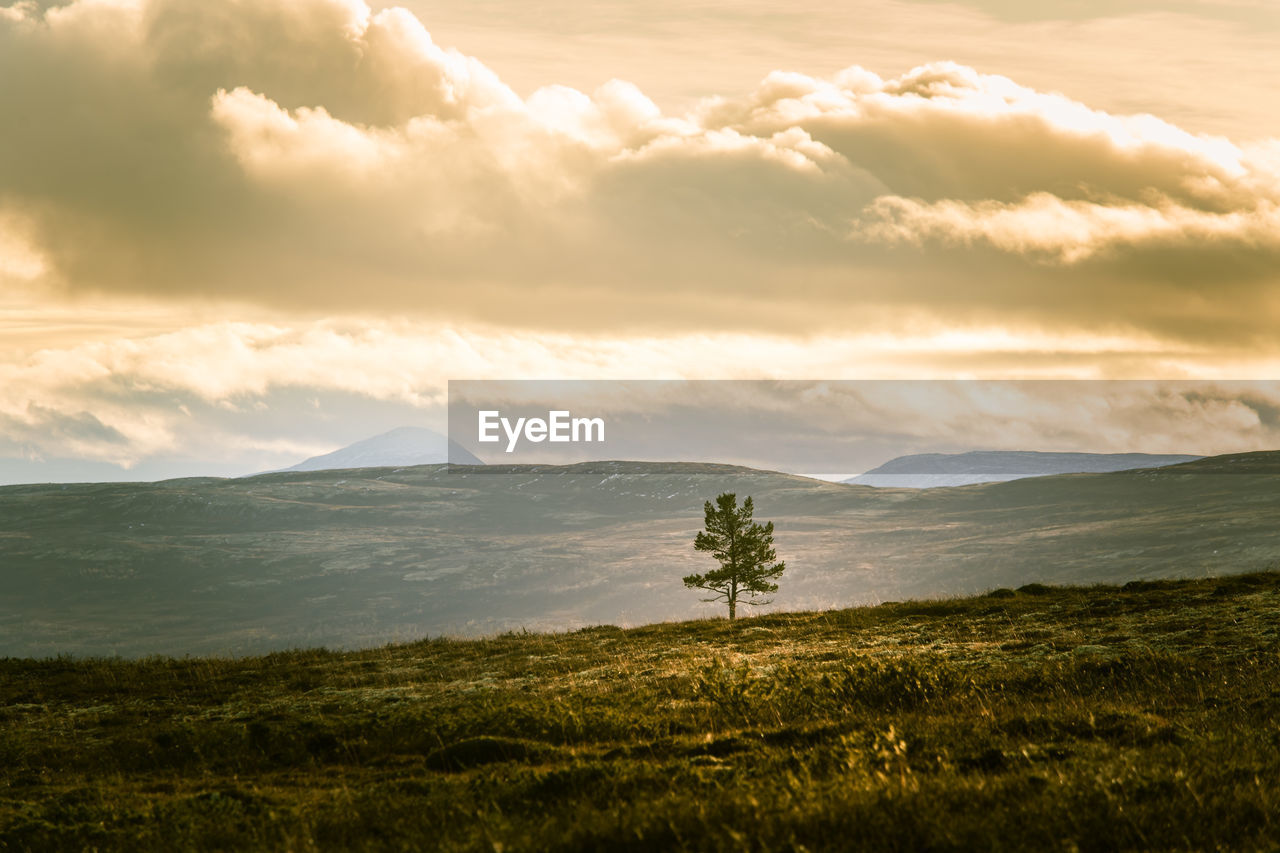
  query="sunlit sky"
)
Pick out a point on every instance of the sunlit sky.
point(234, 234)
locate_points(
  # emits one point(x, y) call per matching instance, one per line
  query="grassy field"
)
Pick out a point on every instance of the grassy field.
point(1098, 718)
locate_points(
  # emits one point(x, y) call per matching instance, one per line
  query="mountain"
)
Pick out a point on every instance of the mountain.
point(360, 558)
point(932, 470)
point(402, 446)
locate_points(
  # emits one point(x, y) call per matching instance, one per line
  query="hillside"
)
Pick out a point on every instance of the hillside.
point(934, 470)
point(1108, 718)
point(363, 557)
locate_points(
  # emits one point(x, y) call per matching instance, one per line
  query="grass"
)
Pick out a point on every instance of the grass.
point(1092, 718)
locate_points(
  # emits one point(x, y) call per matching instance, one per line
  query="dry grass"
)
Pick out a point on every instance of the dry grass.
point(1097, 718)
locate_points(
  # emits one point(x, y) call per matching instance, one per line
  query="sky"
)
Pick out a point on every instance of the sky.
point(235, 234)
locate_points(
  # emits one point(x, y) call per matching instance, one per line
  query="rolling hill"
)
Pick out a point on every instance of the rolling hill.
point(354, 558)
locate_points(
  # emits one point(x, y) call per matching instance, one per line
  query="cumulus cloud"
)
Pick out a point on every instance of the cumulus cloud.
point(1069, 232)
point(304, 153)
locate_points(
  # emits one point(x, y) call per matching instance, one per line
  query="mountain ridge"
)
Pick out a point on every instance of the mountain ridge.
point(934, 470)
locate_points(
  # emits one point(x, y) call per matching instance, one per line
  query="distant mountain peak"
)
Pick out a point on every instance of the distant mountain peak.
point(933, 470)
point(401, 446)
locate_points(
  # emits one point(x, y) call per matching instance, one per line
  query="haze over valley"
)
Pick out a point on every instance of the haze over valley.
point(352, 558)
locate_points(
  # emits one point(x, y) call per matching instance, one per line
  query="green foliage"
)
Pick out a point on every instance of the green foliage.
point(1056, 718)
point(744, 548)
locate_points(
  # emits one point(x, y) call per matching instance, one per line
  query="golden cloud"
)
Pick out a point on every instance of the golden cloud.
point(313, 153)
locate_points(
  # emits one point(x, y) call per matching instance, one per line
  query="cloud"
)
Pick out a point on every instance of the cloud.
point(19, 260)
point(253, 396)
point(73, 434)
point(1046, 227)
point(318, 156)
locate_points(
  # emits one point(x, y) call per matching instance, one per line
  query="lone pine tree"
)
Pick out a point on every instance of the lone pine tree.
point(744, 550)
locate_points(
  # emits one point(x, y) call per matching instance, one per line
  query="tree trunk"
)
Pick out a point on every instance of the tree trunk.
point(733, 606)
